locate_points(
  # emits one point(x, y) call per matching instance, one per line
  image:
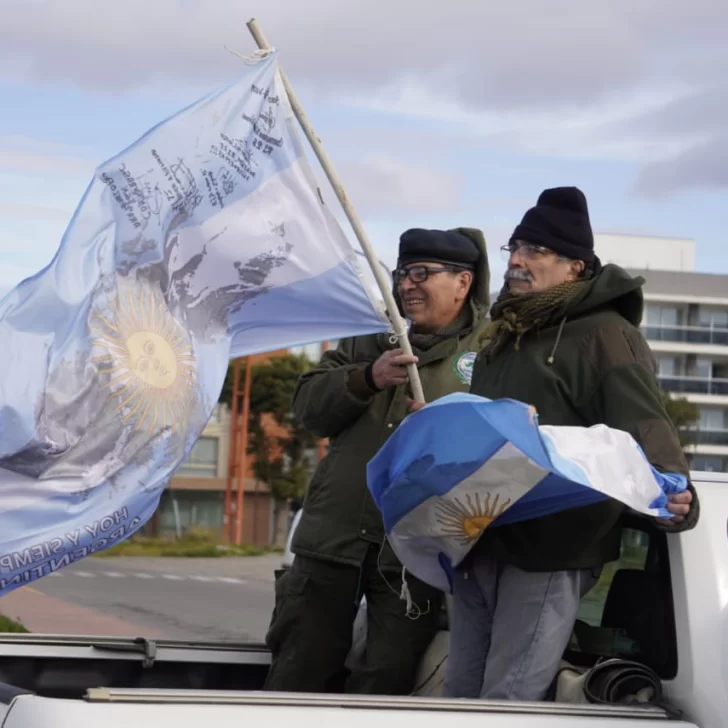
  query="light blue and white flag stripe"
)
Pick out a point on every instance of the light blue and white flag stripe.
point(204, 240)
point(466, 463)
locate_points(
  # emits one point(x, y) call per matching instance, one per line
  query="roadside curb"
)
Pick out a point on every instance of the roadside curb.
point(44, 614)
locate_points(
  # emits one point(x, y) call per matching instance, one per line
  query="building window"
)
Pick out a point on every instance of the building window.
point(703, 368)
point(712, 418)
point(720, 371)
point(663, 316)
point(668, 366)
point(202, 460)
point(714, 318)
point(185, 509)
point(708, 463)
point(711, 427)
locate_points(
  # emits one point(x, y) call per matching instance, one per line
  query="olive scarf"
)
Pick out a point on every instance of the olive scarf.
point(514, 315)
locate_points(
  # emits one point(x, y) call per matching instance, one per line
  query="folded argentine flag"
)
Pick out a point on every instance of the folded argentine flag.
point(464, 463)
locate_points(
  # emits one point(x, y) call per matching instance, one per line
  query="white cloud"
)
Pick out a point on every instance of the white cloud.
point(21, 210)
point(566, 78)
point(572, 132)
point(702, 166)
point(24, 155)
point(383, 187)
point(521, 53)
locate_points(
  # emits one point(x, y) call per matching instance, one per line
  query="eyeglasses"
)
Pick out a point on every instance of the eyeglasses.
point(527, 250)
point(420, 273)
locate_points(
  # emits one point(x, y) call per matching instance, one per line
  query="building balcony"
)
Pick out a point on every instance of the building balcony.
point(713, 437)
point(694, 385)
point(687, 334)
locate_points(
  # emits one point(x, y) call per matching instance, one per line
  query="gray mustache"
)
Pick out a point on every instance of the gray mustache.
point(517, 274)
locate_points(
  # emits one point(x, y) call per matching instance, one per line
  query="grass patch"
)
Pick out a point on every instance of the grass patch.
point(194, 543)
point(10, 625)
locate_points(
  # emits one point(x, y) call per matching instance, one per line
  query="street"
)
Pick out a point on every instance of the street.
point(178, 598)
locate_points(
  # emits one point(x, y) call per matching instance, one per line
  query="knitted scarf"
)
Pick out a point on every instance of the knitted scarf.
point(514, 315)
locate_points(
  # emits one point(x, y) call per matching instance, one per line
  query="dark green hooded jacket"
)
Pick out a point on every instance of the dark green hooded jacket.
point(602, 372)
point(340, 520)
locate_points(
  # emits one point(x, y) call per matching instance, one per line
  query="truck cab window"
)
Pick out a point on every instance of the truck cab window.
point(629, 613)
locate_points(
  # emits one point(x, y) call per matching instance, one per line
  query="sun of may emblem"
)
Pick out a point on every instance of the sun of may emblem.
point(148, 357)
point(466, 521)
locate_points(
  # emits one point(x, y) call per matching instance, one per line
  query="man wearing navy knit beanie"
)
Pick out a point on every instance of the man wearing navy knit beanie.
point(565, 339)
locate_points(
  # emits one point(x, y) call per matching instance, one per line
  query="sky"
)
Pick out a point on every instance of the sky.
point(438, 114)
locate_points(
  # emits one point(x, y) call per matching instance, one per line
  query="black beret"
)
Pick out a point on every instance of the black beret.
point(437, 246)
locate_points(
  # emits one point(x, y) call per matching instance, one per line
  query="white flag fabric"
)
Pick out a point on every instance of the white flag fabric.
point(204, 240)
point(466, 463)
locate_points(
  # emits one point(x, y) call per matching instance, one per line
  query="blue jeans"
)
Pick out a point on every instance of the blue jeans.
point(509, 629)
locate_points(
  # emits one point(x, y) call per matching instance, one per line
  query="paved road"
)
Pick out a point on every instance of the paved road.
point(223, 598)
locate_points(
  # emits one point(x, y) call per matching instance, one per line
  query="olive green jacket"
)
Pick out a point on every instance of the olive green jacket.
point(340, 520)
point(593, 367)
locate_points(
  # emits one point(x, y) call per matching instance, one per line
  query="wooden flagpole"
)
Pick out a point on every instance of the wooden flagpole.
point(398, 323)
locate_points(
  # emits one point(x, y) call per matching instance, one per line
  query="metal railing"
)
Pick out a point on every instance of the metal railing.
point(687, 334)
point(698, 436)
point(694, 385)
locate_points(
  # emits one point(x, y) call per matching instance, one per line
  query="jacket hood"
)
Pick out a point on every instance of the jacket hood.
point(612, 288)
point(479, 293)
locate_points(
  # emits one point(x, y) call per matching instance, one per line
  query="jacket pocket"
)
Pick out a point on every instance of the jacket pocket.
point(290, 589)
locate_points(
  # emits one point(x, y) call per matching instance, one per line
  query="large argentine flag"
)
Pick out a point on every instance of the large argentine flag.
point(465, 463)
point(204, 240)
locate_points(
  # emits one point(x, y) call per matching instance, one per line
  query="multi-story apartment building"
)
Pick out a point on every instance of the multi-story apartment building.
point(686, 325)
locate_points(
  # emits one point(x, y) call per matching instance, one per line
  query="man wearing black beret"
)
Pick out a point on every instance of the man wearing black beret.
point(356, 396)
point(564, 339)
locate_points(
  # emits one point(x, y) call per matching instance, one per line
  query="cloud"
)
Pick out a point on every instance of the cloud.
point(601, 131)
point(694, 123)
point(569, 78)
point(19, 211)
point(24, 155)
point(515, 54)
point(386, 188)
point(703, 166)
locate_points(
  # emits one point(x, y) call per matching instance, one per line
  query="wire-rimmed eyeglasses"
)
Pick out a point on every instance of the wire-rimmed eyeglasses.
point(527, 250)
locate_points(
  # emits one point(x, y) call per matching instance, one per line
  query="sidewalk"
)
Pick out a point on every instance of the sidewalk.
point(44, 614)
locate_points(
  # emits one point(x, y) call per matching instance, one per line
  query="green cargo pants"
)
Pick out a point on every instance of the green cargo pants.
point(310, 633)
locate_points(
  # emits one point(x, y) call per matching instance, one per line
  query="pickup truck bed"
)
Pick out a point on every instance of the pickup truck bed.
point(152, 684)
point(667, 598)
